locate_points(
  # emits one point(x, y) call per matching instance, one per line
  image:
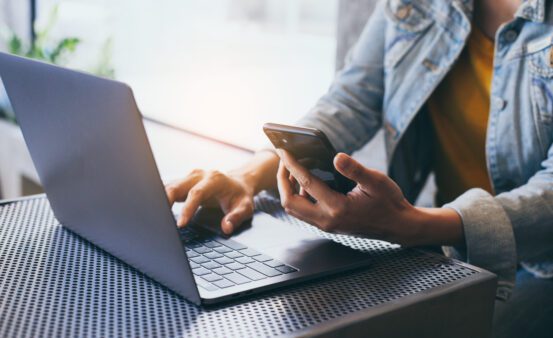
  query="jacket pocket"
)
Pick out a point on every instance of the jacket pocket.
point(408, 23)
point(540, 65)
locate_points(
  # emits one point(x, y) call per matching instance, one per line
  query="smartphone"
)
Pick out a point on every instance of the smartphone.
point(311, 148)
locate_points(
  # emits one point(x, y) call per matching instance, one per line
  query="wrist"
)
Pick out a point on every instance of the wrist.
point(245, 180)
point(437, 226)
point(259, 173)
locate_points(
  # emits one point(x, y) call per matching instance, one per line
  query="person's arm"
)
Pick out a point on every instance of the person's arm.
point(350, 113)
point(512, 227)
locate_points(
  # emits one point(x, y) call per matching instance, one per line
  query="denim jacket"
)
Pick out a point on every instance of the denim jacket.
point(405, 50)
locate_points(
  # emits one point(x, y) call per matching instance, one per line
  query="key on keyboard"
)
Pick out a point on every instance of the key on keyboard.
point(222, 249)
point(285, 269)
point(262, 258)
point(244, 260)
point(205, 284)
point(249, 252)
point(211, 265)
point(235, 266)
point(231, 244)
point(237, 278)
point(200, 271)
point(233, 254)
point(202, 249)
point(273, 263)
point(199, 259)
point(222, 270)
point(223, 283)
point(264, 269)
point(251, 274)
point(224, 260)
point(213, 255)
point(212, 277)
point(191, 253)
point(212, 244)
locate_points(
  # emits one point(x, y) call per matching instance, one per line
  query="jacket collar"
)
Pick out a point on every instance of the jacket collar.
point(533, 10)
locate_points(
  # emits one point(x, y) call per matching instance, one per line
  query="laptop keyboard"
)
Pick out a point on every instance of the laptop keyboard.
point(219, 263)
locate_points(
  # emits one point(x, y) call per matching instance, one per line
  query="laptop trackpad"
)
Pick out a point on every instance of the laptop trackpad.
point(298, 247)
point(267, 232)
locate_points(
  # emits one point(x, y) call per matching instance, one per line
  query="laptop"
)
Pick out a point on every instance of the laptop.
point(87, 140)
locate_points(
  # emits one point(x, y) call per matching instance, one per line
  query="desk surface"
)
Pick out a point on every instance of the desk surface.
point(54, 284)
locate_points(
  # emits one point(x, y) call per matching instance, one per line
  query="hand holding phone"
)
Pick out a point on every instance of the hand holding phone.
point(312, 149)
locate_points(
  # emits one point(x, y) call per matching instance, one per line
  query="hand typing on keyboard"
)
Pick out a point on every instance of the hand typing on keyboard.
point(211, 189)
point(232, 192)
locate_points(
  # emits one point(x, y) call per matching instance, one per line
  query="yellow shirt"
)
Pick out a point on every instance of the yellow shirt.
point(459, 110)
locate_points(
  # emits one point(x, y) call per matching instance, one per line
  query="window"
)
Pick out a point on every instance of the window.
point(217, 67)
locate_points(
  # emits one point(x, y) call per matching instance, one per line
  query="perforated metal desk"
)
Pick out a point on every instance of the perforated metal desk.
point(55, 284)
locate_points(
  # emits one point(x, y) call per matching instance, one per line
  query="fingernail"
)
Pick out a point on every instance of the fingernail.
point(341, 161)
point(229, 227)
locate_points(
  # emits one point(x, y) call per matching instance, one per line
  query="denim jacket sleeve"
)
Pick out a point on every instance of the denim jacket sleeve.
point(350, 113)
point(511, 227)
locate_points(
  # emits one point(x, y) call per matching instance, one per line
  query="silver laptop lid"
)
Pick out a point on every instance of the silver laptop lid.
point(89, 146)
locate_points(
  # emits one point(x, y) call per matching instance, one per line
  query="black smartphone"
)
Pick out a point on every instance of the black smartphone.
point(312, 149)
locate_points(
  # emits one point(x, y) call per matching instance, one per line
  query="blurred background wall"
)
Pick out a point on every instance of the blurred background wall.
point(352, 17)
point(304, 39)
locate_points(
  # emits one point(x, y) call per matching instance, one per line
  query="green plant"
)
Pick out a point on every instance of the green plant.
point(57, 52)
point(40, 48)
point(104, 67)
